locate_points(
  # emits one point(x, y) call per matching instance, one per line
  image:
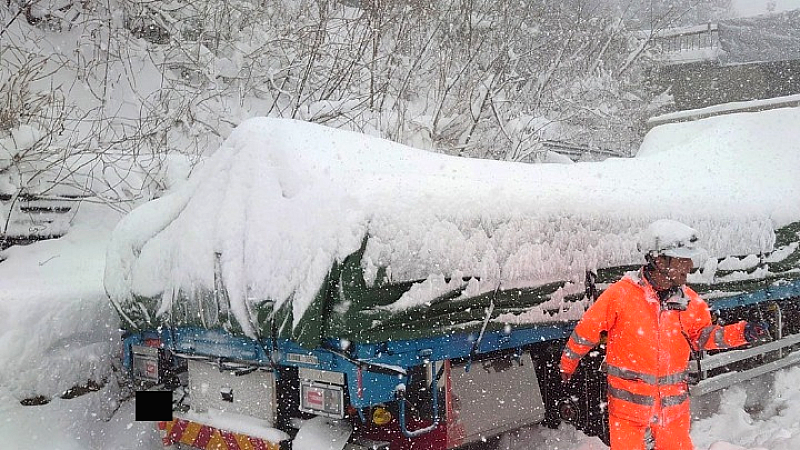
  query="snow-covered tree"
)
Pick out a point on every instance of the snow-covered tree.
point(123, 84)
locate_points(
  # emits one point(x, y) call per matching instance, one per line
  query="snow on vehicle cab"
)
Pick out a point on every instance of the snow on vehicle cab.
point(315, 288)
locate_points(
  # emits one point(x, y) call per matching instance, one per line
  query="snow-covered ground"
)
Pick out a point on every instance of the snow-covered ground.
point(57, 330)
point(89, 423)
point(762, 414)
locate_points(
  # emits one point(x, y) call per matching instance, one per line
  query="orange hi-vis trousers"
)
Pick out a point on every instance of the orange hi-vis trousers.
point(630, 435)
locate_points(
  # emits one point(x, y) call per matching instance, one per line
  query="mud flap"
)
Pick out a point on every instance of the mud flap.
point(322, 433)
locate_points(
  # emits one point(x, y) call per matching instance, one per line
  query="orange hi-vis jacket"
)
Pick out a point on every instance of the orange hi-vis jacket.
point(647, 352)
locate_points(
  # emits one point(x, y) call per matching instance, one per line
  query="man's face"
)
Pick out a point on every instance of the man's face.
point(671, 272)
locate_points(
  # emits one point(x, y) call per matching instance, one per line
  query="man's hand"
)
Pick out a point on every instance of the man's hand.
point(565, 376)
point(757, 332)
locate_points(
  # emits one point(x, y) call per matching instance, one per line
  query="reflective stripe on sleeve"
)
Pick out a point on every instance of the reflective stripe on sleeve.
point(580, 340)
point(570, 354)
point(705, 335)
point(622, 394)
point(719, 338)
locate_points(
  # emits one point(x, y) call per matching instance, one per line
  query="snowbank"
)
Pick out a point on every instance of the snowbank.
point(95, 421)
point(282, 200)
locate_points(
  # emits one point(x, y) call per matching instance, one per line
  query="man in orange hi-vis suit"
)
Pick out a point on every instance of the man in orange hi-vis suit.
point(653, 321)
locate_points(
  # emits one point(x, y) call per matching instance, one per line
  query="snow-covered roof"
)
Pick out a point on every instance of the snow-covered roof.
point(282, 200)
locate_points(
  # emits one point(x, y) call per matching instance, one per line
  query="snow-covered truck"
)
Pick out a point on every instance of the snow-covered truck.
point(313, 288)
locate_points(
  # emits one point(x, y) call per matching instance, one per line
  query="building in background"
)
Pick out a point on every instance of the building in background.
point(732, 60)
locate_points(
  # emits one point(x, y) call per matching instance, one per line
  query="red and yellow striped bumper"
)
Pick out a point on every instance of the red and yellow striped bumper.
point(209, 438)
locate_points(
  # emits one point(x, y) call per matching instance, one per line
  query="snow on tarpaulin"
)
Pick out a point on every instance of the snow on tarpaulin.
point(282, 202)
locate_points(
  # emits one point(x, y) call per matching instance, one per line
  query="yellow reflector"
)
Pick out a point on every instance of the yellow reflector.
point(381, 416)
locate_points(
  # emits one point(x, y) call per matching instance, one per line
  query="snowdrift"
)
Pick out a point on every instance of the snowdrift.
point(300, 231)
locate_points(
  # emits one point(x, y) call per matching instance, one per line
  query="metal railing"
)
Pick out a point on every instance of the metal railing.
point(689, 38)
point(782, 346)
